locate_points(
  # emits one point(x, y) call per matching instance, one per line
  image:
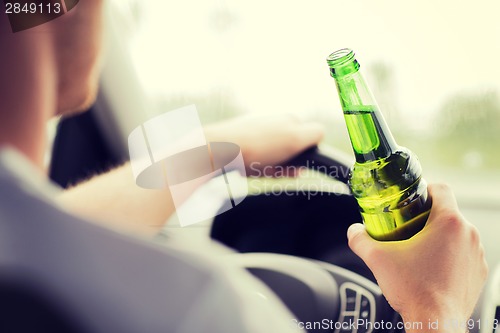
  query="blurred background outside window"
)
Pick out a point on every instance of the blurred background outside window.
point(434, 67)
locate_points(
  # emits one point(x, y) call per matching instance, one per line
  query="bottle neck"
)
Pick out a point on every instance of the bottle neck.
point(370, 136)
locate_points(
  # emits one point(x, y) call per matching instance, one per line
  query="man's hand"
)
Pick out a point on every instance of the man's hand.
point(117, 201)
point(436, 275)
point(267, 140)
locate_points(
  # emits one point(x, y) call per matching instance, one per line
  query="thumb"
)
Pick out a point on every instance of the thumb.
point(359, 241)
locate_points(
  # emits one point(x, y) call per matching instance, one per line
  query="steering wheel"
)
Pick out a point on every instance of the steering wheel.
point(296, 243)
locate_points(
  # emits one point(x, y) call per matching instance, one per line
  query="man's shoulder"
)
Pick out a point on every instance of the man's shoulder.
point(35, 226)
point(99, 273)
point(117, 283)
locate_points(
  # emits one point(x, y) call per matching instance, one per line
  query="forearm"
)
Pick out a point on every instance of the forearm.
point(117, 201)
point(114, 200)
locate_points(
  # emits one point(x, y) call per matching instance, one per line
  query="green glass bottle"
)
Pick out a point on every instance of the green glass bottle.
point(386, 179)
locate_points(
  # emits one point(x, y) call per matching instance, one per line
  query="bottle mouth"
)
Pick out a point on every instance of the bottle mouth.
point(340, 57)
point(342, 62)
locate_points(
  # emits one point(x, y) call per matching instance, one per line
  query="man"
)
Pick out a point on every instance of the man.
point(109, 282)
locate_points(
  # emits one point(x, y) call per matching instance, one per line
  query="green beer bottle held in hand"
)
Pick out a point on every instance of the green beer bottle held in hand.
point(386, 179)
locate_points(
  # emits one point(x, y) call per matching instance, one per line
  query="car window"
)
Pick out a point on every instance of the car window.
point(433, 67)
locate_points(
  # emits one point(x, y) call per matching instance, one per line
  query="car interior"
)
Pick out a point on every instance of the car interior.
point(296, 244)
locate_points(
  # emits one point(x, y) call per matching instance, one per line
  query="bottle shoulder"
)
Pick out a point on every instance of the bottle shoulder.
point(401, 167)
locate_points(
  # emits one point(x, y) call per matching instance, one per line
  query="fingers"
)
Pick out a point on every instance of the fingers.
point(444, 203)
point(360, 242)
point(442, 197)
point(308, 134)
point(446, 218)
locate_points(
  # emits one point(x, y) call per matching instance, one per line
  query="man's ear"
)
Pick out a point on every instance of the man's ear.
point(27, 14)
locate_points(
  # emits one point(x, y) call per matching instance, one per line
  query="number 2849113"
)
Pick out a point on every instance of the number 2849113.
point(33, 8)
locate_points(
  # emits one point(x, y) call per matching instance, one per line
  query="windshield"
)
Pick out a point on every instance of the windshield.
point(432, 65)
